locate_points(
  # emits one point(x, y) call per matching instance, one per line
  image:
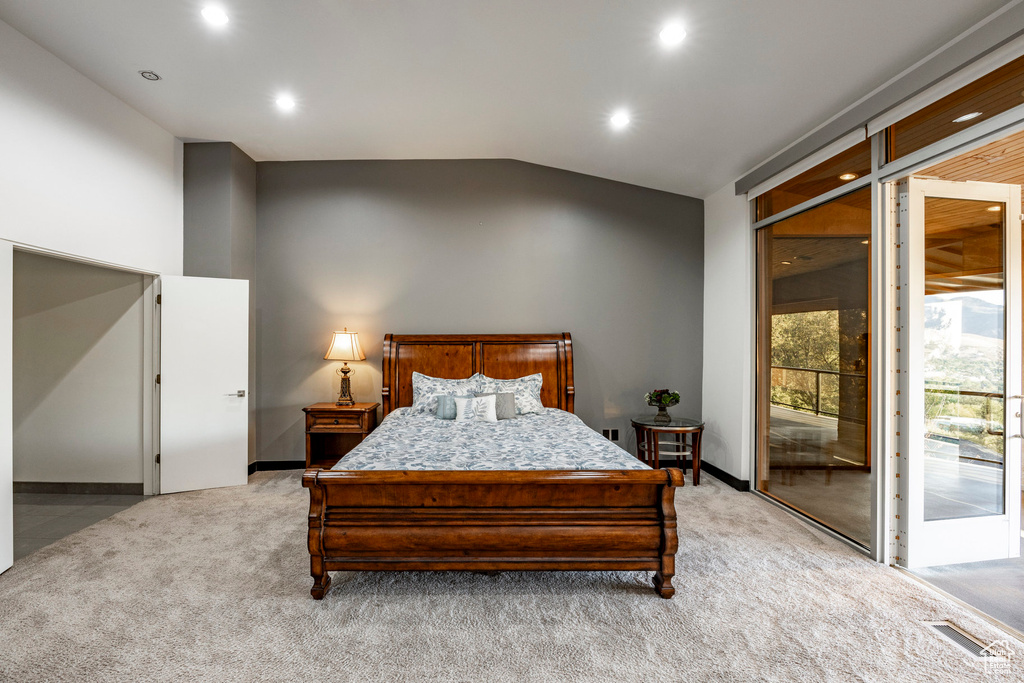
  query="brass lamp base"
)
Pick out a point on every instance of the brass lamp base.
point(345, 397)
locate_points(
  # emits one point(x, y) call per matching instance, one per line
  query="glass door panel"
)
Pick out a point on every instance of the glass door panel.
point(813, 276)
point(959, 376)
point(964, 352)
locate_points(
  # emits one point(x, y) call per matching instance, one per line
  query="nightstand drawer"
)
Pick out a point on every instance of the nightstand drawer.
point(333, 430)
point(335, 422)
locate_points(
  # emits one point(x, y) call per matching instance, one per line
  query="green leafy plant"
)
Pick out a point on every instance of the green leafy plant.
point(662, 397)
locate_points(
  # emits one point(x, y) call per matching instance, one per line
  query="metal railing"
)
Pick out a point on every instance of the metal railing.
point(987, 395)
point(817, 388)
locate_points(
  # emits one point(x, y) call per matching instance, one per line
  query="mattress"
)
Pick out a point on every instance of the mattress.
point(549, 440)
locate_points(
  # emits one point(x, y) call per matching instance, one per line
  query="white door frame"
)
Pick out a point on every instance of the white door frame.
point(920, 543)
point(6, 405)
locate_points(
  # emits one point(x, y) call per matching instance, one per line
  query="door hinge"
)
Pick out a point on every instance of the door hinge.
point(157, 458)
point(159, 299)
point(158, 379)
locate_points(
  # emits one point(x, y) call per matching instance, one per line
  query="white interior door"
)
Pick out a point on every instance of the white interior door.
point(6, 406)
point(204, 393)
point(959, 378)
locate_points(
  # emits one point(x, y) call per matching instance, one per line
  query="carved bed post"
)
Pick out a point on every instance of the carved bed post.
point(321, 579)
point(386, 370)
point(669, 537)
point(317, 496)
point(570, 388)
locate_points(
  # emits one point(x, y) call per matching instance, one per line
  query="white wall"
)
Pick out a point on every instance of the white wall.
point(728, 333)
point(78, 362)
point(81, 172)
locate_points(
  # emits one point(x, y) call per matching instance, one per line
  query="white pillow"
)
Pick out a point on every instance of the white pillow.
point(426, 389)
point(475, 409)
point(526, 389)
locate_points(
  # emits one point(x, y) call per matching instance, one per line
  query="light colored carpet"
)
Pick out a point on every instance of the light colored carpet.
point(214, 585)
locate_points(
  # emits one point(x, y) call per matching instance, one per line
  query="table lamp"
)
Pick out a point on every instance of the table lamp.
point(345, 347)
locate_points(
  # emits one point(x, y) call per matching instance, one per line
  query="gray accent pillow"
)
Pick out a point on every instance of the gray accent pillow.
point(504, 404)
point(446, 406)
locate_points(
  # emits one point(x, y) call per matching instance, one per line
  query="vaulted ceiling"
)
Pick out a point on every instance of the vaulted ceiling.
point(534, 80)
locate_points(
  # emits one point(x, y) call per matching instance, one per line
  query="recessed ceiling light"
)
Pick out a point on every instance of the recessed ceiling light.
point(787, 263)
point(848, 176)
point(864, 241)
point(995, 208)
point(967, 117)
point(619, 119)
point(215, 16)
point(672, 34)
point(285, 103)
point(150, 75)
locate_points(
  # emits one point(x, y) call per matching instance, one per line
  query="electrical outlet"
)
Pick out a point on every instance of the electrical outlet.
point(610, 434)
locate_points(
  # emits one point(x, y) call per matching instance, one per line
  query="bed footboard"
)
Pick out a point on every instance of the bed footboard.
point(492, 521)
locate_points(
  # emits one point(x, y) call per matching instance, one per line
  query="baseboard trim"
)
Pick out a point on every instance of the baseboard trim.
point(725, 477)
point(81, 487)
point(273, 465)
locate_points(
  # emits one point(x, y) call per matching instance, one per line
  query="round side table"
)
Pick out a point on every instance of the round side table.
point(650, 445)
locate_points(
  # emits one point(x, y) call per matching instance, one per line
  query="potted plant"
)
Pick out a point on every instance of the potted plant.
point(662, 399)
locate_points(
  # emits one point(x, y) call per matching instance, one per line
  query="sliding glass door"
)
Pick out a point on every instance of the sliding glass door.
point(959, 372)
point(812, 364)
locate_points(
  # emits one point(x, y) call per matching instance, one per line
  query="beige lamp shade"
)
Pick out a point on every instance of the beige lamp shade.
point(345, 346)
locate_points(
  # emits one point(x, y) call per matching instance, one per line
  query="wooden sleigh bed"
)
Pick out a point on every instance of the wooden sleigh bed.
point(570, 520)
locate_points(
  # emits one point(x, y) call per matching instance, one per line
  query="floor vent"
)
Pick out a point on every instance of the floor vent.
point(969, 643)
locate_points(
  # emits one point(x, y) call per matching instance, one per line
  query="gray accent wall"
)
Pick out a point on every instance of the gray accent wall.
point(219, 229)
point(220, 211)
point(479, 246)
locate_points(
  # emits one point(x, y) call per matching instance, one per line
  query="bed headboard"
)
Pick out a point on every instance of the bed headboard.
point(455, 356)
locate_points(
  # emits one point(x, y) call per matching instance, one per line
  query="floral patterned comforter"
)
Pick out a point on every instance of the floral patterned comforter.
point(550, 440)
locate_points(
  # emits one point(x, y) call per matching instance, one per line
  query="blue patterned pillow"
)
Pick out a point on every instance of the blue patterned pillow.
point(526, 390)
point(426, 389)
point(446, 406)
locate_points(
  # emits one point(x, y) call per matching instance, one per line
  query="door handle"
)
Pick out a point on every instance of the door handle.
point(1017, 415)
point(238, 394)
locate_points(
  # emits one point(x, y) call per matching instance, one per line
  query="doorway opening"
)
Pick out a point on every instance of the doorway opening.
point(81, 419)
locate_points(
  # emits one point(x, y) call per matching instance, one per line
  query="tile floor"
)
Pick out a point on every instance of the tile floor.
point(995, 587)
point(42, 518)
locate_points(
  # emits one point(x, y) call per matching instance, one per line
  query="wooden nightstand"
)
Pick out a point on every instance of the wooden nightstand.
point(332, 431)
